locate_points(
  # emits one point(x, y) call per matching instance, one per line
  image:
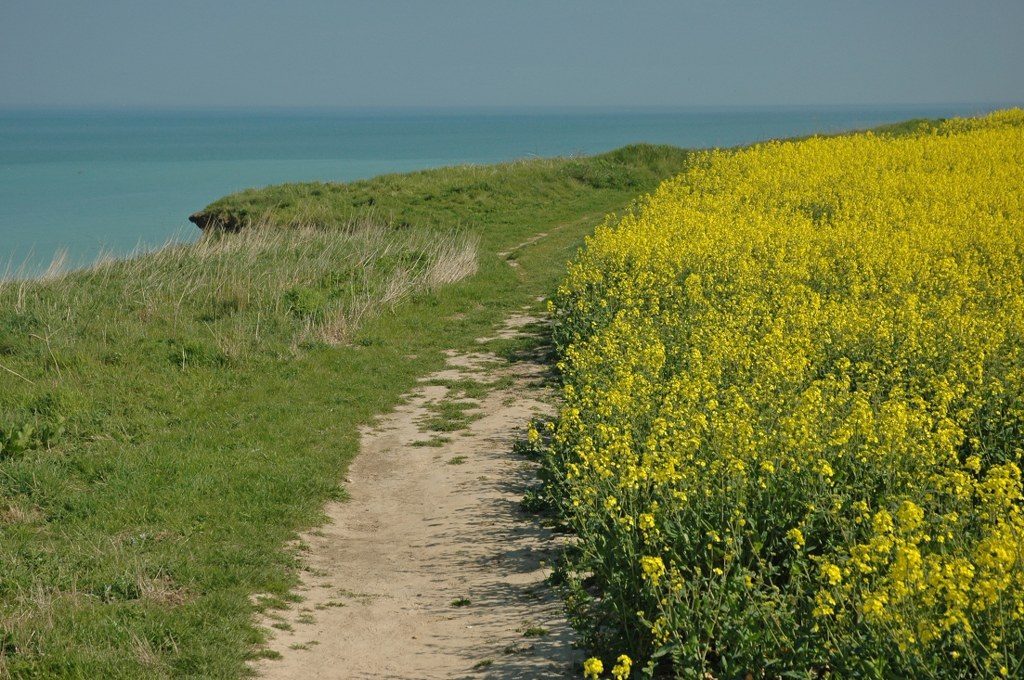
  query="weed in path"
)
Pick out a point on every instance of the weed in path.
point(434, 442)
point(449, 415)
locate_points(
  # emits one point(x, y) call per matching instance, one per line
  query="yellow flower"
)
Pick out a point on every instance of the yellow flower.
point(653, 568)
point(622, 667)
point(882, 522)
point(831, 573)
point(910, 515)
point(592, 668)
point(796, 537)
point(824, 604)
point(874, 606)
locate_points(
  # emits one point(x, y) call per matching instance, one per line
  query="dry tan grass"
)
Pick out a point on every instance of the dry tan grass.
point(448, 261)
point(253, 270)
point(161, 590)
point(17, 514)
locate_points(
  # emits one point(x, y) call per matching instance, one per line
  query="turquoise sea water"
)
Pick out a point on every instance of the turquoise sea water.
point(92, 182)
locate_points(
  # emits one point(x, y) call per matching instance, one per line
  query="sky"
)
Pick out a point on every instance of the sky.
point(502, 53)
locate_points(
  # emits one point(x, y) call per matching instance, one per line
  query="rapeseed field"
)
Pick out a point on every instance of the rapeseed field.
point(793, 414)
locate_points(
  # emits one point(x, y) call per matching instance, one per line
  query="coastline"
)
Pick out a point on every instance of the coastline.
point(128, 177)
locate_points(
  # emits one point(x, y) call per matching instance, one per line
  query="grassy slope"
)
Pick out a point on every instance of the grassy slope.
point(132, 551)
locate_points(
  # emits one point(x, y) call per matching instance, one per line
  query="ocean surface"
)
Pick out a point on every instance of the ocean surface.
point(88, 183)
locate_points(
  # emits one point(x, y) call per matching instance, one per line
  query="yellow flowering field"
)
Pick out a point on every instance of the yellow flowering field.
point(793, 413)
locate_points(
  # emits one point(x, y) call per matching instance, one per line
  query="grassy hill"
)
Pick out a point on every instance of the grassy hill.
point(167, 423)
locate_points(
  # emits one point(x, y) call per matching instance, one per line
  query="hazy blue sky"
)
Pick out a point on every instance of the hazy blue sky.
point(347, 53)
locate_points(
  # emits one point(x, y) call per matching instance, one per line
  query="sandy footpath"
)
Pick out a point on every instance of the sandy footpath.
point(427, 528)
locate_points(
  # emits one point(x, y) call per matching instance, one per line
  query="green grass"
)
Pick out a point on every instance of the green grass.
point(169, 423)
point(436, 441)
point(494, 199)
point(449, 415)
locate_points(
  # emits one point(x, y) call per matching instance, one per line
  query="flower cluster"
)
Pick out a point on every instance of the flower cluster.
point(793, 414)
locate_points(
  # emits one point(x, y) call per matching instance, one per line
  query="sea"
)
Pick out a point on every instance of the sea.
point(79, 185)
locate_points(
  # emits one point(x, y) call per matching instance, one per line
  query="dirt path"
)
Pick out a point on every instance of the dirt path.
point(431, 570)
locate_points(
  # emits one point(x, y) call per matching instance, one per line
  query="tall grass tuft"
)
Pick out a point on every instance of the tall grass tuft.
point(266, 282)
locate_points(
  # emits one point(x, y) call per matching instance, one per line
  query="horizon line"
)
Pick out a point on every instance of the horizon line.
point(238, 108)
